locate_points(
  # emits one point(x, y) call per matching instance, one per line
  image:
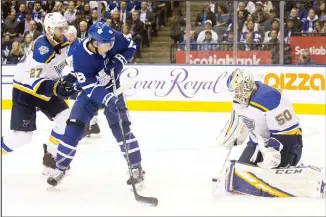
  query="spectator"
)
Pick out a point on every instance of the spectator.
point(65, 6)
point(268, 34)
point(70, 14)
point(109, 22)
point(94, 18)
point(208, 43)
point(125, 15)
point(241, 19)
point(208, 27)
point(251, 7)
point(322, 11)
point(318, 27)
point(79, 6)
point(146, 16)
point(15, 54)
point(82, 31)
point(267, 6)
point(274, 46)
point(305, 58)
point(86, 10)
point(38, 12)
point(125, 31)
point(250, 17)
point(302, 12)
point(27, 43)
point(49, 6)
point(250, 36)
point(206, 14)
point(58, 7)
point(113, 5)
point(324, 24)
point(11, 25)
point(242, 7)
point(136, 29)
point(133, 5)
point(222, 18)
point(176, 24)
point(289, 29)
point(268, 23)
point(193, 42)
point(259, 14)
point(297, 21)
point(309, 23)
point(21, 14)
point(159, 8)
point(33, 30)
point(6, 44)
point(116, 23)
point(24, 25)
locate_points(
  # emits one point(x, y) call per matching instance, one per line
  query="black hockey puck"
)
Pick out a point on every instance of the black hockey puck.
point(214, 179)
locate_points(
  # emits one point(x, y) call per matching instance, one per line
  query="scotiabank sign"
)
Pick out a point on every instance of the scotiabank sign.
point(315, 44)
point(225, 57)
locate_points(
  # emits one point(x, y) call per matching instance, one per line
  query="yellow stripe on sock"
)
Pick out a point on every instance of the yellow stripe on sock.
point(54, 140)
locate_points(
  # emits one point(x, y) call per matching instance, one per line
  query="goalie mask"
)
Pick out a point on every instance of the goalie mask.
point(241, 85)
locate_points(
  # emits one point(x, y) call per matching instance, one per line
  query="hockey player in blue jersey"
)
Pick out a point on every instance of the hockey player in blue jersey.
point(37, 85)
point(268, 165)
point(93, 130)
point(104, 50)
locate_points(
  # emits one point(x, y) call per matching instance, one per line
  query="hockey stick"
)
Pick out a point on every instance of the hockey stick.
point(148, 200)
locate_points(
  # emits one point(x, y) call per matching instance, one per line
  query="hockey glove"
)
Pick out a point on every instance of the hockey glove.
point(113, 103)
point(71, 78)
point(63, 89)
point(271, 152)
point(116, 63)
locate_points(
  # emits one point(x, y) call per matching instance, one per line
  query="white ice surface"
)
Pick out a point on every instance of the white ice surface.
point(180, 158)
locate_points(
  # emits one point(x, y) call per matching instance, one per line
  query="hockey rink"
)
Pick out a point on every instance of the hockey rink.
point(180, 157)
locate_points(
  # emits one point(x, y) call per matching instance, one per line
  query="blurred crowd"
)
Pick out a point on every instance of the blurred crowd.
point(22, 21)
point(258, 25)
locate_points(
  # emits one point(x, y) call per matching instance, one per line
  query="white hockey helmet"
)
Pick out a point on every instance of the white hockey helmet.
point(241, 85)
point(52, 21)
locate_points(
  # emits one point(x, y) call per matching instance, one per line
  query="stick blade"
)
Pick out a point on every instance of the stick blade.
point(148, 200)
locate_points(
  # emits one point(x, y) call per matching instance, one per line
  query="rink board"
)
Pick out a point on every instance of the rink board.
point(201, 88)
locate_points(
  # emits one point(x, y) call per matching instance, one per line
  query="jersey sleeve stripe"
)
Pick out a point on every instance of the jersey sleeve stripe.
point(258, 106)
point(50, 57)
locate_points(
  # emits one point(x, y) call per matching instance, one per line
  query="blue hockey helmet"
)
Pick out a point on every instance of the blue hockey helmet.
point(101, 33)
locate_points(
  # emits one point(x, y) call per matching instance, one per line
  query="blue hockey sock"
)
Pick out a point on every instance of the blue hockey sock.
point(68, 145)
point(132, 144)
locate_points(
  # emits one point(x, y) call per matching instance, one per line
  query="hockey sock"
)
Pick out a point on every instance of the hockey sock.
point(15, 140)
point(68, 145)
point(131, 141)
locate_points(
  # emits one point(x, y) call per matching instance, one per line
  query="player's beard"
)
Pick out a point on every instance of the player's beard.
point(58, 39)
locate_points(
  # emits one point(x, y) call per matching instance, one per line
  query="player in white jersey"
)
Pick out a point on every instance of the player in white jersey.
point(36, 84)
point(268, 165)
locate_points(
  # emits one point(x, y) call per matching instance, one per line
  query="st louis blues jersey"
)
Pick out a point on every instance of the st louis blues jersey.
point(268, 114)
point(89, 67)
point(42, 63)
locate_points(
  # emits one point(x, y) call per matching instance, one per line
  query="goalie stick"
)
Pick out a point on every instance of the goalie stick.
point(148, 200)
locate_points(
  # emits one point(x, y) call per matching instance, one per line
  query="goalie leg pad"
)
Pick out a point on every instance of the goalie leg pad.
point(285, 182)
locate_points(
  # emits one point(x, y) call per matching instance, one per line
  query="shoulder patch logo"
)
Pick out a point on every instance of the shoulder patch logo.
point(99, 31)
point(43, 50)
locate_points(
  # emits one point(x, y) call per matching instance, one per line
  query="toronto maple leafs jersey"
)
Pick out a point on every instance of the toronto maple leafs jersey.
point(42, 63)
point(89, 66)
point(268, 114)
point(69, 63)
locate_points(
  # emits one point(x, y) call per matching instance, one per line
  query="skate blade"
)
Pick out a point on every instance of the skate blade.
point(47, 171)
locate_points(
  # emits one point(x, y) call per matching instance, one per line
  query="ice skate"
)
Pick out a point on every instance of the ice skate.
point(93, 131)
point(137, 177)
point(56, 177)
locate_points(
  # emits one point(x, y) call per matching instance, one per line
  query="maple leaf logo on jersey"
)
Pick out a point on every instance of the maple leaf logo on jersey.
point(43, 50)
point(99, 31)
